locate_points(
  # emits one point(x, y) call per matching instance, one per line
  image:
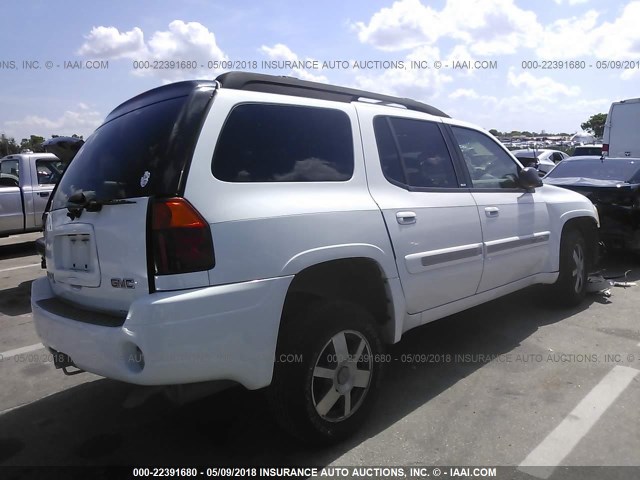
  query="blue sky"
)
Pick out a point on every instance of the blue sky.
point(56, 100)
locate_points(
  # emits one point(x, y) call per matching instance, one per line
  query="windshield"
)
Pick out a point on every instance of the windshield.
point(621, 170)
point(126, 157)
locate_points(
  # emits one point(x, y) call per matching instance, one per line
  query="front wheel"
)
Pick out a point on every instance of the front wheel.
point(326, 385)
point(570, 288)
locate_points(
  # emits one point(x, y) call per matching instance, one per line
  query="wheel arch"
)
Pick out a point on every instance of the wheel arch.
point(587, 225)
point(358, 280)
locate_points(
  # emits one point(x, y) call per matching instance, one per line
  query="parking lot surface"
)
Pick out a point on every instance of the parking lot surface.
point(514, 382)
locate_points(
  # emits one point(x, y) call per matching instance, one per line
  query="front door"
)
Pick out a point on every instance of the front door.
point(515, 222)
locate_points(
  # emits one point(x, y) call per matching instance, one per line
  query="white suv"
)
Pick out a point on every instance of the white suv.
point(277, 233)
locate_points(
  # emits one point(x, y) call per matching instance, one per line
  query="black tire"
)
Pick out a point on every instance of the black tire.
point(570, 288)
point(312, 404)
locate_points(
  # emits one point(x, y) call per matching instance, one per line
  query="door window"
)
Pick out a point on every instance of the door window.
point(49, 172)
point(413, 153)
point(488, 164)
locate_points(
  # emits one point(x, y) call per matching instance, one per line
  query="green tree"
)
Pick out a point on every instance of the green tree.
point(595, 124)
point(8, 146)
point(494, 132)
point(33, 143)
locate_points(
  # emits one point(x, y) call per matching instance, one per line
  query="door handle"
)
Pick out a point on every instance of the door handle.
point(43, 194)
point(406, 218)
point(492, 212)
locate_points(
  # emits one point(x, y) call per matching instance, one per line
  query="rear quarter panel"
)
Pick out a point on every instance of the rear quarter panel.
point(271, 229)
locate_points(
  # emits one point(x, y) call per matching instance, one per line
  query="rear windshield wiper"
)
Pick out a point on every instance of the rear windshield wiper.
point(79, 202)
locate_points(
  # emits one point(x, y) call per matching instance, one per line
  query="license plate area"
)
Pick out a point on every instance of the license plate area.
point(75, 257)
point(77, 252)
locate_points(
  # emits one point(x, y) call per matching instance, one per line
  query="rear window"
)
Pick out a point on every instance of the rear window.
point(584, 151)
point(126, 157)
point(621, 170)
point(12, 167)
point(284, 143)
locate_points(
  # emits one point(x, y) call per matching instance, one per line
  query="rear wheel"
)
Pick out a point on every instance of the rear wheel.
point(326, 373)
point(570, 288)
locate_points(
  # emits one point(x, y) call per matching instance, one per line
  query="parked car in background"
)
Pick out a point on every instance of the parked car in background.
point(613, 185)
point(26, 182)
point(65, 148)
point(543, 160)
point(621, 136)
point(588, 150)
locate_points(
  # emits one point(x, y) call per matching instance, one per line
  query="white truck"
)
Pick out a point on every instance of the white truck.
point(277, 233)
point(26, 182)
point(622, 129)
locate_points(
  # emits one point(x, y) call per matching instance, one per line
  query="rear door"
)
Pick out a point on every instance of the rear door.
point(515, 222)
point(96, 232)
point(431, 218)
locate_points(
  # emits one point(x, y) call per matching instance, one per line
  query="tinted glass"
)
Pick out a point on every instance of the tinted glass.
point(418, 156)
point(282, 143)
point(126, 157)
point(609, 169)
point(387, 151)
point(489, 165)
point(584, 151)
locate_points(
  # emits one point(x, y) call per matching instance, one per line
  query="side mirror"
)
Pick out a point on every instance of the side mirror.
point(529, 178)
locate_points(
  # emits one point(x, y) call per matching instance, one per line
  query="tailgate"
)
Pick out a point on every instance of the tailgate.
point(99, 261)
point(96, 231)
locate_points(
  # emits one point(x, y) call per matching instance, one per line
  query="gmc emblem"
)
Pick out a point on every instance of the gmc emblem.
point(123, 283)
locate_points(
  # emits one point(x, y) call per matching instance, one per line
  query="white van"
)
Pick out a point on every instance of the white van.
point(622, 129)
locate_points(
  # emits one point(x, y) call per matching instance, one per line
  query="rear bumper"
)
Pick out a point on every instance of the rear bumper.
point(226, 332)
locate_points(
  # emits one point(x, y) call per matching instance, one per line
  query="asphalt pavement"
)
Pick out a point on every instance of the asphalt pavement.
point(514, 382)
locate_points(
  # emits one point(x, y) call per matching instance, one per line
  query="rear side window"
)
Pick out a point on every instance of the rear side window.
point(126, 157)
point(283, 143)
point(414, 153)
point(10, 167)
point(585, 151)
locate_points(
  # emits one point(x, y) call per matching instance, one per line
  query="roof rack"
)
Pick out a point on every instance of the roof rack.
point(258, 82)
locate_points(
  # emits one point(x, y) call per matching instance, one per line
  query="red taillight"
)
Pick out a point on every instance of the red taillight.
point(181, 238)
point(605, 149)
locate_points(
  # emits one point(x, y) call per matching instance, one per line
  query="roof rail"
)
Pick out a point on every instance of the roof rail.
point(258, 82)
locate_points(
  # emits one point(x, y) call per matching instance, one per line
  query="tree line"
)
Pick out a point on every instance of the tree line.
point(9, 146)
point(594, 125)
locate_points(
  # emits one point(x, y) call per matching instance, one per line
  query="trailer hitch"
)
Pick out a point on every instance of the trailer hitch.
point(64, 362)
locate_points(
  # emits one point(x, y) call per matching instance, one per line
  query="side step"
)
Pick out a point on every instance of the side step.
point(63, 361)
